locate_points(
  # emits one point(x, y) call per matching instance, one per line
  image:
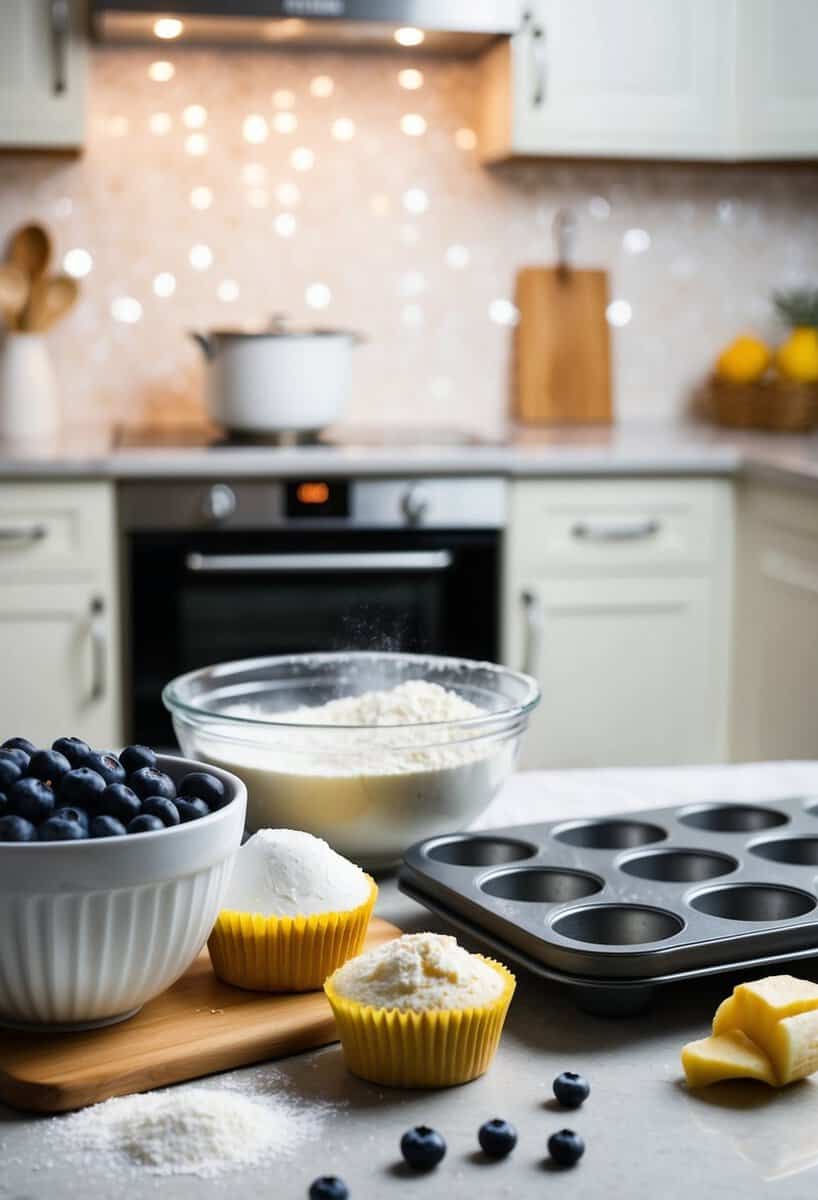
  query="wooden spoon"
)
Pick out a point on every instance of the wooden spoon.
point(50, 299)
point(30, 250)
point(14, 290)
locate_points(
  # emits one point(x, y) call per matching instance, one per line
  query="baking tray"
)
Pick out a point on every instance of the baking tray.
point(641, 897)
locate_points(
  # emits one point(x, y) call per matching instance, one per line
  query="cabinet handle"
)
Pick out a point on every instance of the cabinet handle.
point(9, 534)
point(99, 649)
point(538, 66)
point(60, 28)
point(534, 631)
point(623, 531)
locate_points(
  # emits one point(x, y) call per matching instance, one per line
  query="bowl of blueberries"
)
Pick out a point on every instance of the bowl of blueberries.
point(112, 872)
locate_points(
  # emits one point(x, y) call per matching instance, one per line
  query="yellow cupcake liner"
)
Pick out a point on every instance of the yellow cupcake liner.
point(432, 1048)
point(287, 954)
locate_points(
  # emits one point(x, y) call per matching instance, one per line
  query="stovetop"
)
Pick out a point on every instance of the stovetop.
point(348, 437)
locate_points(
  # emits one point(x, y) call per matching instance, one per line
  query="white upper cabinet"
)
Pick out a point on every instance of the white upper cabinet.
point(678, 79)
point(42, 74)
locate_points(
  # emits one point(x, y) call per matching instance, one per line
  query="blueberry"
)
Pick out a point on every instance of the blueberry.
point(571, 1089)
point(31, 799)
point(108, 766)
point(144, 823)
point(16, 829)
point(165, 810)
point(78, 815)
point(422, 1147)
point(133, 758)
point(106, 827)
point(497, 1138)
point(55, 829)
point(119, 801)
point(49, 766)
point(74, 749)
point(10, 772)
point(18, 743)
point(190, 809)
point(328, 1187)
point(4, 804)
point(148, 781)
point(204, 787)
point(81, 788)
point(566, 1147)
point(17, 756)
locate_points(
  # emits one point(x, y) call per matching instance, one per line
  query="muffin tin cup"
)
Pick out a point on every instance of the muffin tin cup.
point(637, 896)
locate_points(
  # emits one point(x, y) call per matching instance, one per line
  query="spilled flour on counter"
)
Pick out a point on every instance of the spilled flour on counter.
point(202, 1129)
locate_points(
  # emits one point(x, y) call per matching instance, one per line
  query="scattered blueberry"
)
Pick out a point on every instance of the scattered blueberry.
point(497, 1138)
point(205, 787)
point(81, 788)
point(144, 823)
point(78, 815)
point(328, 1187)
point(106, 827)
point(571, 1089)
point(422, 1147)
point(10, 772)
point(133, 758)
point(119, 801)
point(56, 829)
point(74, 749)
point(31, 799)
point(148, 781)
point(16, 829)
point(165, 810)
point(566, 1147)
point(18, 743)
point(16, 755)
point(190, 809)
point(48, 766)
point(106, 765)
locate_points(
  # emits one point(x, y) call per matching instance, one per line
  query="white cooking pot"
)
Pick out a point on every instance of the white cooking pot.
point(277, 380)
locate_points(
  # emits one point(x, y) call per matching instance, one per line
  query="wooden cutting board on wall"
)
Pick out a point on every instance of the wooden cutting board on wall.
point(562, 368)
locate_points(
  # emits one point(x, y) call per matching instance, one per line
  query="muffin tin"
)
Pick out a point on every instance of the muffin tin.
point(619, 904)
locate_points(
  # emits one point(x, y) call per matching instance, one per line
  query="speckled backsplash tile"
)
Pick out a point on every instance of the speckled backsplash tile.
point(229, 186)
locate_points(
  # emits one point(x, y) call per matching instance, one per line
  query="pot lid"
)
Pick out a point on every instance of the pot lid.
point(277, 327)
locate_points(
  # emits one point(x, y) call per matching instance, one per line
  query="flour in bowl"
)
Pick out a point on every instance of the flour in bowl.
point(415, 702)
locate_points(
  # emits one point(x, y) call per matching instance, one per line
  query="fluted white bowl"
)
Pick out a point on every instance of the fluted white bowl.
point(91, 930)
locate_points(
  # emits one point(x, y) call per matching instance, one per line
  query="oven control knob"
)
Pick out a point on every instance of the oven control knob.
point(415, 504)
point(219, 503)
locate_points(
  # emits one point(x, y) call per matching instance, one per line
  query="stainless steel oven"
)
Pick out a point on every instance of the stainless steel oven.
point(225, 569)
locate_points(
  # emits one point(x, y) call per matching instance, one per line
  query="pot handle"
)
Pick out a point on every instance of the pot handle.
point(204, 343)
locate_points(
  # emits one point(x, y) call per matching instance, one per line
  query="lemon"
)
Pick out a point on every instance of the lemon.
point(797, 358)
point(744, 360)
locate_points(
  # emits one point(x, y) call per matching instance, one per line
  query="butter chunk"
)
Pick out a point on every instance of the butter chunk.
point(793, 1047)
point(729, 1056)
point(757, 1007)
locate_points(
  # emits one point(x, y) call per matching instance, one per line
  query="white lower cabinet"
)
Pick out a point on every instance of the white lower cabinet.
point(774, 714)
point(59, 619)
point(617, 598)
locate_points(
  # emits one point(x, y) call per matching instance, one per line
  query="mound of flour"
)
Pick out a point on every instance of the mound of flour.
point(415, 702)
point(288, 873)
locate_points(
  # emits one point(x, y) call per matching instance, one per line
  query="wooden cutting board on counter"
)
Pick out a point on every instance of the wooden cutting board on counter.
point(562, 368)
point(198, 1027)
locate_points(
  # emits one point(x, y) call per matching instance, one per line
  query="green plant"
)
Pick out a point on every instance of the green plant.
point(797, 307)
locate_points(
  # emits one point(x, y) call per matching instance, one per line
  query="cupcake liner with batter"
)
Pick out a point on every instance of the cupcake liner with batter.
point(287, 954)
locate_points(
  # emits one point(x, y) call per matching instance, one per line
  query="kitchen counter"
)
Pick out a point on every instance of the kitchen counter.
point(646, 449)
point(646, 1135)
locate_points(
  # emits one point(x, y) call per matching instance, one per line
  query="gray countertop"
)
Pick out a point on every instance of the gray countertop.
point(646, 1134)
point(627, 450)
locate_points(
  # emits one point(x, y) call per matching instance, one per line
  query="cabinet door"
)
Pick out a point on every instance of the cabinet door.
point(777, 57)
point(641, 78)
point(57, 663)
point(627, 668)
point(42, 73)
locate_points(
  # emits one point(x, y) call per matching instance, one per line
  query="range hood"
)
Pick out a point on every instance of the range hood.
point(463, 27)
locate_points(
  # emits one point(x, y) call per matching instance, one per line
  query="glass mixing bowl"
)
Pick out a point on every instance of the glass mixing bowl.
point(371, 791)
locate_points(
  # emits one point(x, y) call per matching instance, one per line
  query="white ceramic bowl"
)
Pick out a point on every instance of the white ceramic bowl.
point(370, 791)
point(91, 930)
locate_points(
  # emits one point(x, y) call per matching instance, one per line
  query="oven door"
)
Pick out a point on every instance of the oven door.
point(215, 597)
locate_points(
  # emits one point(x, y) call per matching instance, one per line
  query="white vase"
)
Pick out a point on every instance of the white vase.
point(28, 389)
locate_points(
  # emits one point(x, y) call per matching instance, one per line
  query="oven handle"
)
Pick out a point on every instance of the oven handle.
point(280, 564)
